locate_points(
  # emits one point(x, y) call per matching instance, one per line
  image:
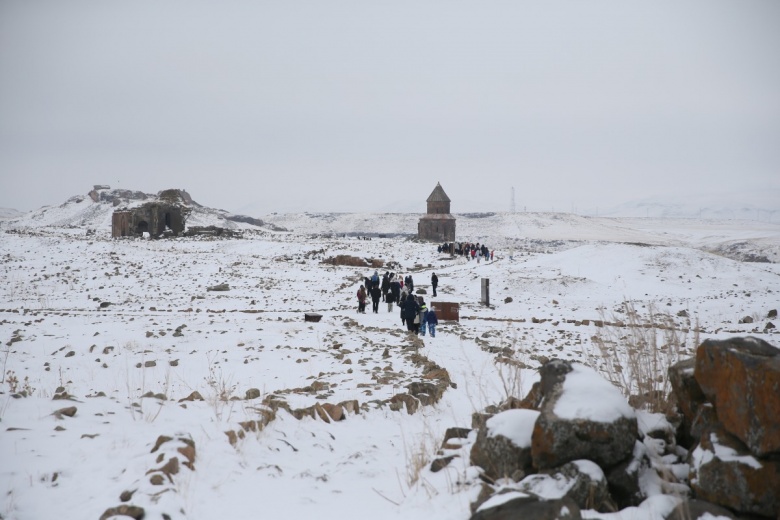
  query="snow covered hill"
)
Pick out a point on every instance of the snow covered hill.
point(119, 355)
point(94, 210)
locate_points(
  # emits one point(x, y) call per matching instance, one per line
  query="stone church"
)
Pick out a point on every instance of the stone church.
point(437, 225)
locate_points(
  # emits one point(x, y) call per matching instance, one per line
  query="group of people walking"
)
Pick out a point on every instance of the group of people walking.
point(391, 289)
point(388, 288)
point(416, 315)
point(474, 251)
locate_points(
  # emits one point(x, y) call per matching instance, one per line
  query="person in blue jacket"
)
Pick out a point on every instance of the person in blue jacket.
point(432, 321)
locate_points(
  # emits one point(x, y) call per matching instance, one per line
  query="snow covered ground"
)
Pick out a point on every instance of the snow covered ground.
point(104, 323)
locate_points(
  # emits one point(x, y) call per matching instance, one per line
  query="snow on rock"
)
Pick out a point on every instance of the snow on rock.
point(516, 425)
point(723, 471)
point(587, 395)
point(503, 446)
point(582, 481)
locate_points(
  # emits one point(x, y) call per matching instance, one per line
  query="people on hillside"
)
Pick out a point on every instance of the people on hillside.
point(361, 296)
point(434, 282)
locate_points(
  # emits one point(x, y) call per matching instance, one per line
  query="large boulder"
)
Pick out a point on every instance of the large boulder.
point(511, 506)
point(623, 478)
point(581, 480)
point(724, 472)
point(741, 378)
point(690, 401)
point(699, 509)
point(583, 416)
point(503, 445)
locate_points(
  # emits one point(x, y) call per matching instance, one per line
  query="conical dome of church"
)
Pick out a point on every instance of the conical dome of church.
point(438, 195)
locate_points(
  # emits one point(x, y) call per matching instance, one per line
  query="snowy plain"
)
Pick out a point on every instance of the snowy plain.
point(108, 321)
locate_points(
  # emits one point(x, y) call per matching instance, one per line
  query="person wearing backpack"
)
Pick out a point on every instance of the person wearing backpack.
point(422, 317)
point(411, 308)
point(385, 285)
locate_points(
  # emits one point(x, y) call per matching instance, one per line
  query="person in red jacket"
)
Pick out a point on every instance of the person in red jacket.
point(361, 296)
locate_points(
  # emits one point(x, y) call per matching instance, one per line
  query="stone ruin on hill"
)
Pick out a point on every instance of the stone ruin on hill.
point(167, 213)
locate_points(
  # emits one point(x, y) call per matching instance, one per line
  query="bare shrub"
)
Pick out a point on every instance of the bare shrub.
point(222, 389)
point(634, 351)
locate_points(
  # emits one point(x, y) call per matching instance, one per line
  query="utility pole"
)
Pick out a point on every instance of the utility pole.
point(512, 207)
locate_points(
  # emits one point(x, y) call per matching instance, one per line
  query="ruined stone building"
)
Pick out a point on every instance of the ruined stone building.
point(168, 213)
point(437, 225)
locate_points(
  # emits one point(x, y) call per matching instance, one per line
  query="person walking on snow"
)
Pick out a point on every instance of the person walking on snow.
point(385, 285)
point(390, 299)
point(410, 311)
point(376, 295)
point(434, 282)
point(395, 288)
point(361, 296)
point(402, 305)
point(432, 321)
point(422, 313)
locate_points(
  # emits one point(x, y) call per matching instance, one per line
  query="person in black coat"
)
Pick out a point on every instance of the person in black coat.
point(385, 285)
point(434, 282)
point(376, 295)
point(395, 288)
point(411, 309)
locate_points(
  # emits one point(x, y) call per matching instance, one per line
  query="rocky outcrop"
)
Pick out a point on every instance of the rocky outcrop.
point(741, 378)
point(590, 449)
point(729, 398)
point(582, 428)
point(723, 471)
point(170, 456)
point(503, 446)
point(520, 505)
point(582, 481)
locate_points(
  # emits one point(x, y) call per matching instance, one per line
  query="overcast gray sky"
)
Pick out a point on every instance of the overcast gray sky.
point(360, 105)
